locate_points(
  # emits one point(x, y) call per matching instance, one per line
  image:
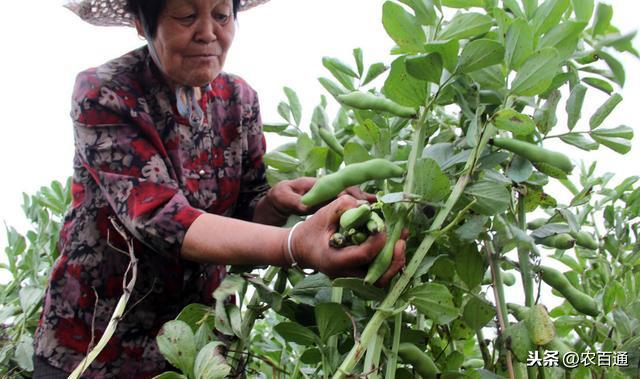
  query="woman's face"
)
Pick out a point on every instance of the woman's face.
point(192, 40)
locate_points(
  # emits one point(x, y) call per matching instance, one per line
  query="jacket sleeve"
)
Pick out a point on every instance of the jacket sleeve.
point(253, 184)
point(124, 155)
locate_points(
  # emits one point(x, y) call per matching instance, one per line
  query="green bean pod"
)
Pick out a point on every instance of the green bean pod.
point(337, 240)
point(383, 259)
point(586, 240)
point(358, 238)
point(535, 153)
point(421, 362)
point(329, 186)
point(520, 312)
point(562, 241)
point(540, 326)
point(375, 223)
point(369, 101)
point(508, 278)
point(355, 217)
point(537, 223)
point(331, 141)
point(580, 301)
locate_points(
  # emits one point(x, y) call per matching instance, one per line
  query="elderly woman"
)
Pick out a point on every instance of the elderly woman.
point(170, 148)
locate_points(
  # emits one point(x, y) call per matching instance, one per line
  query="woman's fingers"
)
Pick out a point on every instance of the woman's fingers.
point(359, 255)
point(397, 263)
point(359, 194)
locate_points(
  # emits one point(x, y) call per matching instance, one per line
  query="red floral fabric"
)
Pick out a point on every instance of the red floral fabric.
point(138, 162)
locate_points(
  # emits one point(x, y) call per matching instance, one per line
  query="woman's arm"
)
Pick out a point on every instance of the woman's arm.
point(223, 240)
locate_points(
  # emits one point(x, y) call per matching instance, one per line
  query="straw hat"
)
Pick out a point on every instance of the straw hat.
point(114, 12)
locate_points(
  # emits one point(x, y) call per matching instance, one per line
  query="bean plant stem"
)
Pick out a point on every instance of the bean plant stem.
point(392, 358)
point(387, 304)
point(523, 255)
point(332, 343)
point(128, 284)
point(498, 291)
point(250, 317)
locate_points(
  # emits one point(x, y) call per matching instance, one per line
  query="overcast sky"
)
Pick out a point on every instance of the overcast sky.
point(277, 44)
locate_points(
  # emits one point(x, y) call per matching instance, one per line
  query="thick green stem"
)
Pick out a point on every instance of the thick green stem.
point(332, 343)
point(523, 256)
point(498, 291)
point(382, 313)
point(392, 358)
point(372, 360)
point(249, 319)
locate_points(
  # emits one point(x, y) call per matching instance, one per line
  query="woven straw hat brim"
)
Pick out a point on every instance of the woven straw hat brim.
point(114, 13)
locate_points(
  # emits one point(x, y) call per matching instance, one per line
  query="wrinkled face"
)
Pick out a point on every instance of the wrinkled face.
point(192, 40)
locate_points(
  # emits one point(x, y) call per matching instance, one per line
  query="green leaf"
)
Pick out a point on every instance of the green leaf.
point(334, 64)
point(274, 128)
point(170, 375)
point(548, 15)
point(357, 55)
point(30, 296)
point(492, 198)
point(580, 141)
point(530, 7)
point(284, 110)
point(600, 84)
point(425, 67)
point(281, 161)
point(368, 132)
point(473, 226)
point(294, 332)
point(466, 25)
point(193, 314)
point(619, 145)
point(513, 121)
point(310, 285)
point(537, 74)
point(402, 26)
point(489, 77)
point(435, 301)
point(294, 104)
point(564, 38)
point(621, 131)
point(315, 160)
point(355, 153)
point(331, 319)
point(374, 71)
point(602, 20)
point(341, 71)
point(479, 54)
point(545, 117)
point(24, 352)
point(463, 3)
point(431, 183)
point(360, 289)
point(574, 105)
point(448, 51)
point(470, 266)
point(332, 87)
point(583, 9)
point(478, 312)
point(424, 11)
point(231, 285)
point(604, 111)
point(210, 364)
point(616, 67)
point(177, 343)
point(403, 88)
point(514, 7)
point(518, 44)
point(520, 169)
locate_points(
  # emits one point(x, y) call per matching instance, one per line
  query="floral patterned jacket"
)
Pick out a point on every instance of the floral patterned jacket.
point(138, 162)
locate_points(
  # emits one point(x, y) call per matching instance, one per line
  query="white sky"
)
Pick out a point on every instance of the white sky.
point(277, 44)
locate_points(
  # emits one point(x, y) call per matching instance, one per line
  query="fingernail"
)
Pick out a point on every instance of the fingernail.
point(360, 202)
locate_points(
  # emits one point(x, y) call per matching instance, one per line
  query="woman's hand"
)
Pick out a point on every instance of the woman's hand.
point(310, 245)
point(283, 199)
